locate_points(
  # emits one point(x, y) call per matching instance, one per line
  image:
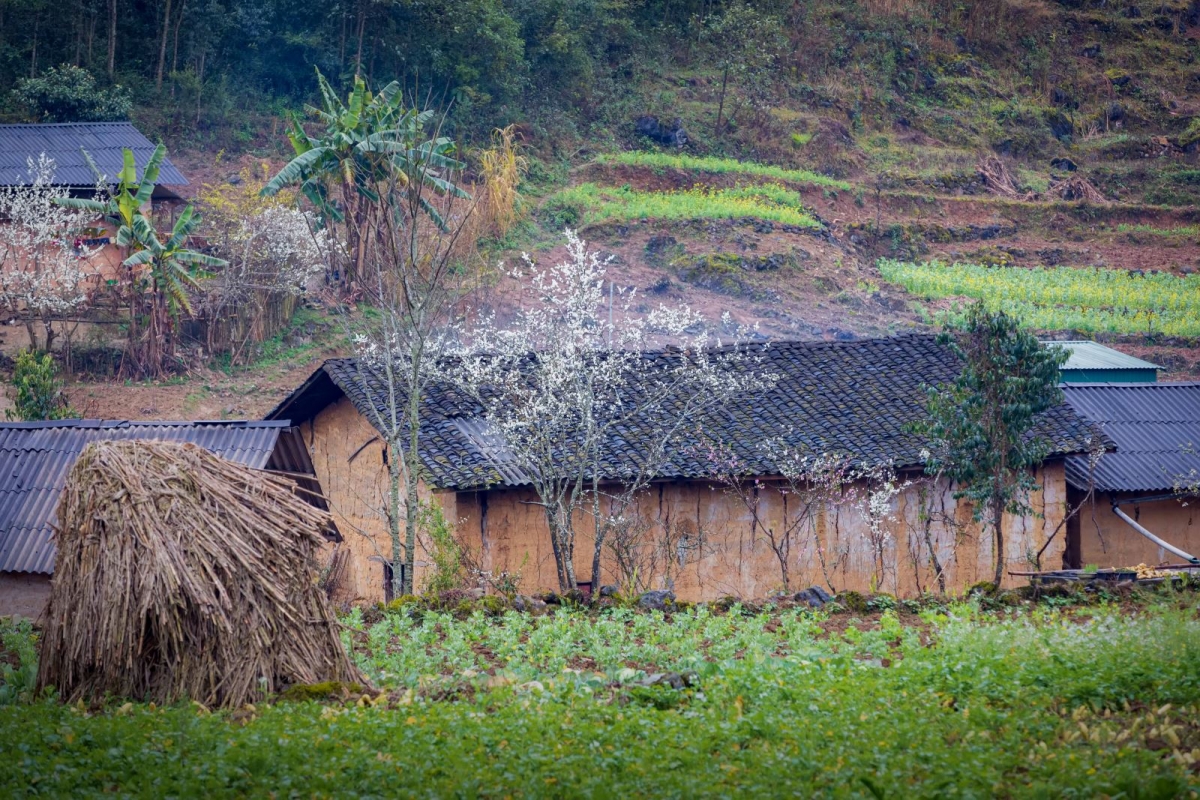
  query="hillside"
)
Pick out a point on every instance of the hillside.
point(1051, 151)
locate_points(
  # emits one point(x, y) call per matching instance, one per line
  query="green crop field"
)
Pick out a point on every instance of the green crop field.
point(1063, 298)
point(719, 166)
point(950, 701)
point(589, 204)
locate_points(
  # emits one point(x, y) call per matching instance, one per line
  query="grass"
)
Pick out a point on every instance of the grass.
point(1028, 702)
point(1063, 298)
point(1188, 231)
point(589, 204)
point(720, 166)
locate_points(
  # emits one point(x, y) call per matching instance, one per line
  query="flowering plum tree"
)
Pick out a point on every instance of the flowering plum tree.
point(43, 263)
point(567, 379)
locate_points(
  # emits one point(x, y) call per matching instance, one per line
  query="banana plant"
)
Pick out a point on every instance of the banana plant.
point(371, 144)
point(130, 194)
point(173, 267)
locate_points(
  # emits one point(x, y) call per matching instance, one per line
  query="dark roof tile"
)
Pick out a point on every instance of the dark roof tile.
point(856, 398)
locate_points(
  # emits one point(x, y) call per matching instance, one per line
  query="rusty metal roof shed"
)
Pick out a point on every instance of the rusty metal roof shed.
point(1156, 428)
point(35, 458)
point(65, 142)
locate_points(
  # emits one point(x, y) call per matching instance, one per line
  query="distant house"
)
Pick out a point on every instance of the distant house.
point(35, 458)
point(1153, 476)
point(65, 142)
point(852, 398)
point(1090, 362)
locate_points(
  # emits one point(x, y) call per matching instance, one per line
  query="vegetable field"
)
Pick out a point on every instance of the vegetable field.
point(1062, 298)
point(589, 204)
point(948, 702)
point(719, 166)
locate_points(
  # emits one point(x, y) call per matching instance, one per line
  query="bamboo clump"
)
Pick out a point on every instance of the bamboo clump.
point(183, 576)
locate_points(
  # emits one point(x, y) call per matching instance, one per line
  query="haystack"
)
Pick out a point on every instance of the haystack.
point(181, 575)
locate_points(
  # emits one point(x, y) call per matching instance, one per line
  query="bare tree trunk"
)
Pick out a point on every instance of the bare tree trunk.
point(200, 84)
point(37, 21)
point(362, 26)
point(721, 104)
point(162, 49)
point(393, 519)
point(175, 45)
point(112, 37)
point(998, 525)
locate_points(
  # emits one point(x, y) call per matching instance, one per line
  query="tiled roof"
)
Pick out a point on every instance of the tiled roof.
point(64, 142)
point(853, 398)
point(1156, 427)
point(35, 458)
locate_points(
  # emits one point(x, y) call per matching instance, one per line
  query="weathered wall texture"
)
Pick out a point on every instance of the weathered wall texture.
point(348, 456)
point(23, 594)
point(1106, 540)
point(703, 541)
point(706, 545)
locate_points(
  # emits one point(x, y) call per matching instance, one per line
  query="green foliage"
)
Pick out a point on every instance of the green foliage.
point(18, 670)
point(36, 391)
point(589, 204)
point(367, 142)
point(719, 166)
point(69, 94)
point(443, 549)
point(981, 425)
point(1064, 298)
point(782, 709)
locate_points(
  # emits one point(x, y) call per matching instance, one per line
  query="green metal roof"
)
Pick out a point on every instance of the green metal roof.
point(1090, 355)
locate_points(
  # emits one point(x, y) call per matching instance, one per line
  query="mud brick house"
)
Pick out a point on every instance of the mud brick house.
point(852, 398)
point(35, 458)
point(1152, 478)
point(65, 143)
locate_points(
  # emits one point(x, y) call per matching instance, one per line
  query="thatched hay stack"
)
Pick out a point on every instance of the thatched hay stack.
point(181, 575)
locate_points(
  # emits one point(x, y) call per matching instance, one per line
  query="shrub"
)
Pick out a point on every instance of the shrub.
point(444, 551)
point(36, 390)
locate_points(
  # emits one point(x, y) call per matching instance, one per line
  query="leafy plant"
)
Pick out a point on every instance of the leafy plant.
point(444, 550)
point(36, 391)
point(68, 93)
point(594, 205)
point(981, 424)
point(1063, 298)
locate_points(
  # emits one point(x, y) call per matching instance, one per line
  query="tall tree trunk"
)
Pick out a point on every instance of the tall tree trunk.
point(200, 84)
point(37, 21)
point(162, 48)
point(112, 37)
point(342, 44)
point(998, 526)
point(721, 104)
point(362, 26)
point(175, 45)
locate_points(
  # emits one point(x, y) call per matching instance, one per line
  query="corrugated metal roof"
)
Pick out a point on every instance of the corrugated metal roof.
point(64, 142)
point(1155, 426)
point(35, 458)
point(1091, 355)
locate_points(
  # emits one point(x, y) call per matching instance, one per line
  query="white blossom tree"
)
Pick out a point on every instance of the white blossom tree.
point(273, 256)
point(588, 406)
point(809, 485)
point(44, 264)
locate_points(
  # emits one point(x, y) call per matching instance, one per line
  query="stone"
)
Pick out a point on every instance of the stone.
point(657, 600)
point(651, 128)
point(814, 596)
point(608, 590)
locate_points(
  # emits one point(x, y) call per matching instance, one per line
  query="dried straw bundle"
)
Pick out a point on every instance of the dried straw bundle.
point(181, 575)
